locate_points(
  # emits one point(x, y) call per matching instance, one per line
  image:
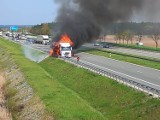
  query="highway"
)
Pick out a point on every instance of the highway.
point(41, 47)
point(143, 75)
point(148, 54)
point(137, 52)
point(144, 53)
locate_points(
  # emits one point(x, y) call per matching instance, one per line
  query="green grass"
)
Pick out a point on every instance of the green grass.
point(114, 101)
point(61, 102)
point(72, 93)
point(127, 58)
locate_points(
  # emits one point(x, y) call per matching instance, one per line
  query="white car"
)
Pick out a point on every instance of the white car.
point(1, 34)
point(23, 37)
point(96, 44)
point(10, 34)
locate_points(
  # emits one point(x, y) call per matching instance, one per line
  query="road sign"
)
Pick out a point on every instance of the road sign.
point(14, 28)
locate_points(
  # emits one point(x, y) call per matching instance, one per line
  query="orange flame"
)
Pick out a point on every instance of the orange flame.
point(55, 51)
point(66, 39)
point(51, 52)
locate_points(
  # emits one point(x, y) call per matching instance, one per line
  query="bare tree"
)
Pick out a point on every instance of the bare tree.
point(139, 37)
point(118, 37)
point(100, 39)
point(124, 36)
point(156, 38)
point(128, 36)
point(131, 38)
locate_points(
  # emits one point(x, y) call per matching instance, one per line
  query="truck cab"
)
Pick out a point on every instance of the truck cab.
point(65, 50)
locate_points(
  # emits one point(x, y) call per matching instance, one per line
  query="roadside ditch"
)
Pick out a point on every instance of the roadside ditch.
point(18, 98)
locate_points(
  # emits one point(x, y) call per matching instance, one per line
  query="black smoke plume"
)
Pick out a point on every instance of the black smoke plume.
point(150, 11)
point(83, 20)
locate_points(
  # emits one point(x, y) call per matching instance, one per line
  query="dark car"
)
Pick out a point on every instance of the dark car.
point(107, 45)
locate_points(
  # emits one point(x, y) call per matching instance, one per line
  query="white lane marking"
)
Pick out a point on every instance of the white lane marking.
point(124, 50)
point(121, 73)
point(139, 72)
point(124, 62)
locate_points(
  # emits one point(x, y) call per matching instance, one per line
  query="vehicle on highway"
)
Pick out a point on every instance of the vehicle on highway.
point(7, 33)
point(139, 43)
point(1, 33)
point(61, 49)
point(10, 34)
point(30, 41)
point(43, 39)
point(106, 45)
point(23, 37)
point(96, 44)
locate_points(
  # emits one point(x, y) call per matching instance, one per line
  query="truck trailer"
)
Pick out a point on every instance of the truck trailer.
point(43, 39)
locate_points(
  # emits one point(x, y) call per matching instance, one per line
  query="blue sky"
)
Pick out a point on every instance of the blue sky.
point(33, 12)
point(27, 12)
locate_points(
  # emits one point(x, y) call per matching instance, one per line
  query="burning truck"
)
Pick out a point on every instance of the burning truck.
point(63, 47)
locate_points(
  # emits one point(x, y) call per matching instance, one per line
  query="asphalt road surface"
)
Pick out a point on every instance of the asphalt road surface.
point(137, 52)
point(44, 48)
point(41, 47)
point(144, 53)
point(144, 75)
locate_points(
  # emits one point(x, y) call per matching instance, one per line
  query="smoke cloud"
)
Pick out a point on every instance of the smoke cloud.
point(84, 20)
point(149, 13)
point(33, 55)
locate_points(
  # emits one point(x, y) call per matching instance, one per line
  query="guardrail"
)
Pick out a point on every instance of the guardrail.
point(131, 83)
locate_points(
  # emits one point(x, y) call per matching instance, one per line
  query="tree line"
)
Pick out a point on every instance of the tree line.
point(44, 29)
point(144, 28)
point(123, 31)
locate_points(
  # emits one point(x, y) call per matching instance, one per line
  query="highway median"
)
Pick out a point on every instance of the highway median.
point(139, 60)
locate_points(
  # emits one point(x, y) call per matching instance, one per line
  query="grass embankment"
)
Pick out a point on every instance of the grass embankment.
point(61, 102)
point(114, 101)
point(72, 93)
point(127, 58)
